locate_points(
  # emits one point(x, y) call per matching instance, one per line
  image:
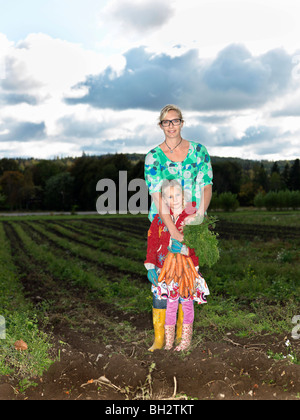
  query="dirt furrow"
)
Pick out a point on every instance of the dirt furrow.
point(109, 270)
point(94, 339)
point(230, 230)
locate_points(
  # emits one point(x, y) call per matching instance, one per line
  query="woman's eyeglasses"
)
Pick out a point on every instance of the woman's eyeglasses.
point(166, 123)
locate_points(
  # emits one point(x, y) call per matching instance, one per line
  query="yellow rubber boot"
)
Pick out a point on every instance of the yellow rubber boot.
point(159, 317)
point(179, 324)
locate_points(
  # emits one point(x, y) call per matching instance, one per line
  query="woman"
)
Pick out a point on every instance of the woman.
point(189, 163)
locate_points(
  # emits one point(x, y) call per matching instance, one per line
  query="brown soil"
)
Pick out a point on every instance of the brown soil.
point(230, 368)
point(94, 361)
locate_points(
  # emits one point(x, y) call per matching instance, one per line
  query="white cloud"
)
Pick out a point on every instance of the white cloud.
point(235, 79)
point(227, 64)
point(37, 73)
point(137, 16)
point(206, 25)
point(49, 149)
point(58, 64)
point(131, 23)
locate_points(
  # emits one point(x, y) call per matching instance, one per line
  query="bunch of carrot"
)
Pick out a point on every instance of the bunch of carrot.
point(181, 269)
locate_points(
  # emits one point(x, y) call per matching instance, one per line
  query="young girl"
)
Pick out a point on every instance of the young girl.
point(159, 244)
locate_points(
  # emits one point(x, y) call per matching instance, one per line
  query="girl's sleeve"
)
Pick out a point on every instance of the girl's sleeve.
point(152, 244)
point(205, 174)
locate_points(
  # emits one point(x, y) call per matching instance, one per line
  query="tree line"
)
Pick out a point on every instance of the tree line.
point(239, 182)
point(70, 183)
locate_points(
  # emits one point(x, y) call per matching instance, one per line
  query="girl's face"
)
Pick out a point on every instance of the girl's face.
point(174, 199)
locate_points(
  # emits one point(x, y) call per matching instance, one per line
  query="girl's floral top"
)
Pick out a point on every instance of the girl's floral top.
point(159, 239)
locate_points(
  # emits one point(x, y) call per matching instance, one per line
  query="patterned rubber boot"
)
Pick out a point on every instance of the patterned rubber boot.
point(169, 336)
point(187, 333)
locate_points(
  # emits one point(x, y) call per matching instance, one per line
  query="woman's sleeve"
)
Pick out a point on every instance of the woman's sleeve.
point(205, 174)
point(152, 173)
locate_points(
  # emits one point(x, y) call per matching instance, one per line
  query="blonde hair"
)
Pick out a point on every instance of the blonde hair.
point(167, 109)
point(170, 183)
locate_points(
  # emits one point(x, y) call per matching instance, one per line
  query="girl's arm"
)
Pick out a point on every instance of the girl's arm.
point(164, 213)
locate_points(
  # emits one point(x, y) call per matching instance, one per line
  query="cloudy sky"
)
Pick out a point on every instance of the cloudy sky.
point(92, 75)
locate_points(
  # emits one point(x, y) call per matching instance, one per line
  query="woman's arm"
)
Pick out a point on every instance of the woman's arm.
point(206, 199)
point(206, 195)
point(164, 213)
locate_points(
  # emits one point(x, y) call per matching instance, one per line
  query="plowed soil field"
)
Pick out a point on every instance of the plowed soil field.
point(77, 272)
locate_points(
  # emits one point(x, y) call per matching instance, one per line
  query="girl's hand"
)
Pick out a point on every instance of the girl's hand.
point(175, 247)
point(177, 235)
point(152, 276)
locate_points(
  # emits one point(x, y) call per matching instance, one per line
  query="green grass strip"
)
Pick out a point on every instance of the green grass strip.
point(131, 251)
point(21, 324)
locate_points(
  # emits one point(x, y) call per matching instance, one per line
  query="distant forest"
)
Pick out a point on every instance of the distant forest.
point(69, 184)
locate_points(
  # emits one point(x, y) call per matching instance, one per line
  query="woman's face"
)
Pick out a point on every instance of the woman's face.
point(172, 131)
point(173, 197)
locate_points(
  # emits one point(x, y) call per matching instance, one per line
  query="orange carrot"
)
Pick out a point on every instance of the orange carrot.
point(168, 280)
point(192, 266)
point(162, 274)
point(168, 261)
point(178, 264)
point(185, 267)
point(182, 286)
point(172, 267)
point(191, 283)
point(185, 286)
point(193, 280)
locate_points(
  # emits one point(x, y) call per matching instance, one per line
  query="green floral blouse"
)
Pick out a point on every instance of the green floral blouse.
point(194, 172)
